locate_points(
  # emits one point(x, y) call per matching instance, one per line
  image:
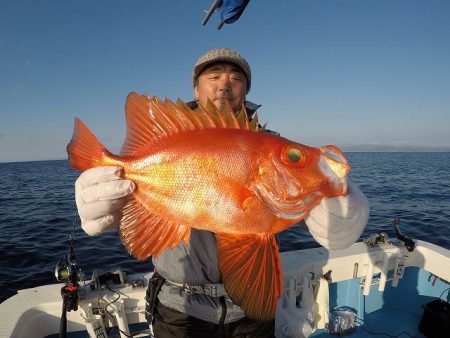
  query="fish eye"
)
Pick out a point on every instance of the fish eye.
point(294, 155)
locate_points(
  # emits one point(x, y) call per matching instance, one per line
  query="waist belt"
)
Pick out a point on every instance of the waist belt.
point(212, 290)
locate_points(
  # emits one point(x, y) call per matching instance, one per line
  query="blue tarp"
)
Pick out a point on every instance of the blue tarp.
point(230, 10)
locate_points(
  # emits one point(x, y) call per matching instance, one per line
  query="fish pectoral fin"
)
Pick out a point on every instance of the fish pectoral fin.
point(147, 234)
point(251, 272)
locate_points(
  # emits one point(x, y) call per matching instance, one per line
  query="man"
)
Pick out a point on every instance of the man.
point(186, 297)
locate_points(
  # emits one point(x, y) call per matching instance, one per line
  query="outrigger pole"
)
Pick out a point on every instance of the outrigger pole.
point(210, 11)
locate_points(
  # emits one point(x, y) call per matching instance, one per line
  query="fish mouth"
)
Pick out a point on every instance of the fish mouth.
point(282, 192)
point(335, 167)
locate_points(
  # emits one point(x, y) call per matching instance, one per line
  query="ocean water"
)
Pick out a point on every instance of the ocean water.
point(37, 214)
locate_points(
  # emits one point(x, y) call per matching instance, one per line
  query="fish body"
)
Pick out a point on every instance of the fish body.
point(215, 171)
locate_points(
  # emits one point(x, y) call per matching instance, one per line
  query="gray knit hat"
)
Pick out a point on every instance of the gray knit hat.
point(222, 55)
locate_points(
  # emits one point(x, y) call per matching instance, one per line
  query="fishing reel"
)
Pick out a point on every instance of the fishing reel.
point(67, 271)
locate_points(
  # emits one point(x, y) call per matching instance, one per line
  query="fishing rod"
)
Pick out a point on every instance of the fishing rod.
point(67, 271)
point(409, 243)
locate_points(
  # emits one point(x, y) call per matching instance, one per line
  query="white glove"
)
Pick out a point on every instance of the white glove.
point(337, 222)
point(99, 194)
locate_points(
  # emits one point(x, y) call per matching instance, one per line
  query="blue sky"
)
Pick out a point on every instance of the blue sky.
point(361, 72)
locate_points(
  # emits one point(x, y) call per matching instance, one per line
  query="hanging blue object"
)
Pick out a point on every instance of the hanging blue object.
point(230, 11)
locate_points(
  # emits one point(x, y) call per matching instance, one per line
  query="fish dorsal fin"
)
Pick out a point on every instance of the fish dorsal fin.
point(150, 119)
point(140, 131)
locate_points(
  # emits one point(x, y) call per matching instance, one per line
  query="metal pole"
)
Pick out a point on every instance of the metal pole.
point(63, 321)
point(211, 11)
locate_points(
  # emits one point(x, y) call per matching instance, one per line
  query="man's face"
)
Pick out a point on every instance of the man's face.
point(221, 82)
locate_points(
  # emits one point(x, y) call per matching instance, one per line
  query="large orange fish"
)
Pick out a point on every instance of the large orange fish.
point(219, 172)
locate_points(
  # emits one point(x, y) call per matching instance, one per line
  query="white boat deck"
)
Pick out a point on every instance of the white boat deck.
point(376, 274)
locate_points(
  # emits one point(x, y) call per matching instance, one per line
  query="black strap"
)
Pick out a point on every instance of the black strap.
point(223, 303)
point(154, 287)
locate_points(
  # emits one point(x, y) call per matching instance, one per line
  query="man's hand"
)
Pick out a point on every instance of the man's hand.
point(337, 222)
point(100, 194)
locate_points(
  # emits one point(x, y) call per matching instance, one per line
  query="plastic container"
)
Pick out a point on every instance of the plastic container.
point(435, 321)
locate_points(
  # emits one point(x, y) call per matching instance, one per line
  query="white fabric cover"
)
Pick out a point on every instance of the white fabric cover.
point(337, 222)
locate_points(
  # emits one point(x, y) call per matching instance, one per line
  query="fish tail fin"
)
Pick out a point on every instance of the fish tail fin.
point(84, 150)
point(250, 267)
